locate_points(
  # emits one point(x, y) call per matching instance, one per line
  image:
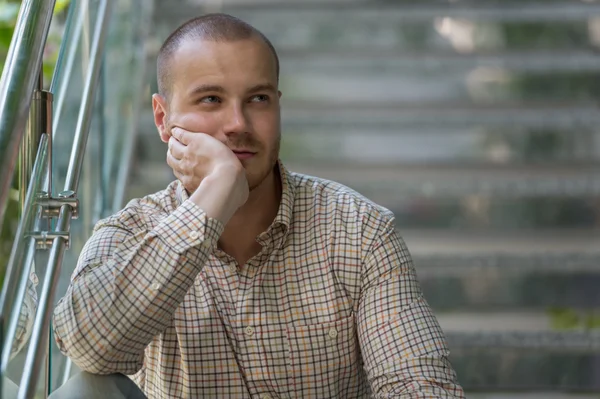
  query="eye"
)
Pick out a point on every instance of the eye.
point(260, 98)
point(210, 99)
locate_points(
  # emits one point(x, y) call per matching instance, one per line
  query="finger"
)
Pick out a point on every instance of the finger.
point(176, 148)
point(183, 136)
point(172, 162)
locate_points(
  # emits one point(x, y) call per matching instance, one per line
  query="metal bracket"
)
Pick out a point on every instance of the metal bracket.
point(44, 238)
point(51, 205)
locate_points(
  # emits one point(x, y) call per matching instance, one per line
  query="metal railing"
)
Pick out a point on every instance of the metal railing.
point(19, 78)
point(28, 120)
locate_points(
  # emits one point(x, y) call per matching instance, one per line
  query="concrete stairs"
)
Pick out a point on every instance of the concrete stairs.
point(477, 124)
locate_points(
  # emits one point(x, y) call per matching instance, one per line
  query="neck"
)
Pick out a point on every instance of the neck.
point(253, 218)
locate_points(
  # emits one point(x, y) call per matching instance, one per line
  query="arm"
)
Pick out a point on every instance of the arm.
point(130, 279)
point(402, 344)
point(127, 286)
point(27, 315)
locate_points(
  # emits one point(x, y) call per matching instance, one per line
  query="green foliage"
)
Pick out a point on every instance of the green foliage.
point(571, 319)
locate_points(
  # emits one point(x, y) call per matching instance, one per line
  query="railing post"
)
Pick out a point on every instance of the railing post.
point(23, 62)
point(40, 121)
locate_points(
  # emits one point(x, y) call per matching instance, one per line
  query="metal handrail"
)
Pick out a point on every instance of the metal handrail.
point(59, 86)
point(35, 355)
point(17, 83)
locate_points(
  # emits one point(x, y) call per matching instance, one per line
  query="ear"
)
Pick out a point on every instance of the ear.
point(160, 109)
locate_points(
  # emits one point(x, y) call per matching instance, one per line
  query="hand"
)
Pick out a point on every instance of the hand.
point(210, 172)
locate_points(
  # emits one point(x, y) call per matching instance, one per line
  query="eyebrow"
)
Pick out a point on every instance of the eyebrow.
point(262, 87)
point(206, 89)
point(209, 88)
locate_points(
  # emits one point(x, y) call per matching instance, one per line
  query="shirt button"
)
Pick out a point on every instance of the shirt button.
point(333, 332)
point(206, 244)
point(156, 286)
point(266, 396)
point(233, 269)
point(249, 331)
point(194, 235)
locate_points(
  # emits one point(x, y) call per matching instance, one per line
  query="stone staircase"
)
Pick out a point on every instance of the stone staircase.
point(477, 124)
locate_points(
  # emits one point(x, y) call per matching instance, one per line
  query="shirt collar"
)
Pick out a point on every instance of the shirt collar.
point(286, 207)
point(288, 192)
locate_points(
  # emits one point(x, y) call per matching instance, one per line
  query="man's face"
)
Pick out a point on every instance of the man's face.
point(229, 91)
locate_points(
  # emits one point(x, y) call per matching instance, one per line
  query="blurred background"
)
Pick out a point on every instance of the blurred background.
point(475, 122)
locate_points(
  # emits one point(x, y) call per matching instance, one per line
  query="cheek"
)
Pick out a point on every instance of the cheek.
point(196, 122)
point(267, 126)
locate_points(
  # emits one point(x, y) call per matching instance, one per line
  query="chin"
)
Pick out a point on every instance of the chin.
point(256, 179)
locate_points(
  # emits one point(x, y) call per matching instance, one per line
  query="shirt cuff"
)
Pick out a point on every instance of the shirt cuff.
point(188, 227)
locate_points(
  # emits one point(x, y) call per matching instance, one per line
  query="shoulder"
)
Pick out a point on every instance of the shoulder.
point(341, 203)
point(139, 213)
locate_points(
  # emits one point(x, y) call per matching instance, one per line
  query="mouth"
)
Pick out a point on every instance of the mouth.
point(243, 154)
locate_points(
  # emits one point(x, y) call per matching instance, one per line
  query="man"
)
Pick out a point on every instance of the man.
point(243, 279)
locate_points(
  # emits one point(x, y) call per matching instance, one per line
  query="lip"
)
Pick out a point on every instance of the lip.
point(243, 154)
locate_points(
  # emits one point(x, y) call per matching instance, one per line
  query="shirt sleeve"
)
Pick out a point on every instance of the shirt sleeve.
point(127, 285)
point(26, 316)
point(402, 344)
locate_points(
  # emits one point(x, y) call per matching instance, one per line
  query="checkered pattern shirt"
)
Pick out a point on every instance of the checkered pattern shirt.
point(330, 308)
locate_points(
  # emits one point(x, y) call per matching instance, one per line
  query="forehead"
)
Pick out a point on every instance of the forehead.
point(231, 64)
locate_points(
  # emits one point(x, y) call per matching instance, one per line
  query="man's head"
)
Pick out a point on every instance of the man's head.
point(218, 75)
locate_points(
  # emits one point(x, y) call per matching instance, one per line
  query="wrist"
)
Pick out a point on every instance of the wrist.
point(214, 194)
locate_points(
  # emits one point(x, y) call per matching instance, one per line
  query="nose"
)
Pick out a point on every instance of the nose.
point(236, 121)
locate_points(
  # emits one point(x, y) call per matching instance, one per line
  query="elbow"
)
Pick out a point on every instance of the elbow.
point(99, 359)
point(89, 352)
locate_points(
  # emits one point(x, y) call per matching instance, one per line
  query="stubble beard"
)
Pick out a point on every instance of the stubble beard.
point(272, 162)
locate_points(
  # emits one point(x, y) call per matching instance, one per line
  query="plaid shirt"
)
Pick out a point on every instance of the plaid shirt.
point(330, 308)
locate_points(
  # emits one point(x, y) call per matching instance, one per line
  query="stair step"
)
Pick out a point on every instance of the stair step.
point(510, 370)
point(529, 395)
point(404, 181)
point(560, 342)
point(466, 264)
point(496, 288)
point(374, 115)
point(469, 148)
point(365, 12)
point(371, 62)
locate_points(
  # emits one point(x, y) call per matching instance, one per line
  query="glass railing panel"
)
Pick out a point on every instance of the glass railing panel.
point(25, 257)
point(110, 138)
point(69, 45)
point(67, 59)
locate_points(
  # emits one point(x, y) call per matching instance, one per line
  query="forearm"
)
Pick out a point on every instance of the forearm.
point(113, 311)
point(402, 380)
point(408, 356)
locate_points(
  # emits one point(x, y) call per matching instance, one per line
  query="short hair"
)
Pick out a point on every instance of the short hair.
point(216, 27)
